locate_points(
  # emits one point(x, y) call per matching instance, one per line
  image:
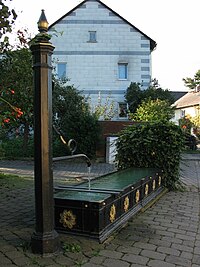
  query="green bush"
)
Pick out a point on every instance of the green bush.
point(74, 119)
point(13, 148)
point(152, 145)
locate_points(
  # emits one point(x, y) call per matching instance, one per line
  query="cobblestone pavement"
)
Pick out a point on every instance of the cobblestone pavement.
point(165, 235)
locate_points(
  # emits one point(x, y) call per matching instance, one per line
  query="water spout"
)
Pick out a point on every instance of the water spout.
point(88, 162)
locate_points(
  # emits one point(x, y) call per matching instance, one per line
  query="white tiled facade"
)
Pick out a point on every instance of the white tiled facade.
point(92, 67)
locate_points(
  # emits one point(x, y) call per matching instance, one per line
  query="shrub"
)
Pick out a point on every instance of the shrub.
point(13, 148)
point(152, 145)
point(74, 119)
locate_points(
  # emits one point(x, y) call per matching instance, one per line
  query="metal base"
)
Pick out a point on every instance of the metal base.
point(45, 243)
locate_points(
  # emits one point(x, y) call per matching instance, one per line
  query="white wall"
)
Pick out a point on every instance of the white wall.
point(93, 67)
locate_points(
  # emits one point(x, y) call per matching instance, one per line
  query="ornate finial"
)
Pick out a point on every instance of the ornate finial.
point(43, 23)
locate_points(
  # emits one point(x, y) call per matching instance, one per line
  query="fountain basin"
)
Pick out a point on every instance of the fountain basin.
point(110, 202)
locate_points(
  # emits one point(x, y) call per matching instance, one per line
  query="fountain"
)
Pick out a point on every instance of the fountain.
point(98, 207)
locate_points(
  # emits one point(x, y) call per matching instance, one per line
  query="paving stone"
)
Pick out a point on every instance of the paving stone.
point(88, 264)
point(115, 263)
point(62, 260)
point(186, 255)
point(177, 231)
point(169, 251)
point(97, 259)
point(178, 260)
point(185, 237)
point(165, 233)
point(111, 254)
point(135, 259)
point(22, 261)
point(182, 247)
point(133, 250)
point(145, 246)
point(197, 250)
point(136, 265)
point(159, 242)
point(196, 259)
point(158, 263)
point(153, 255)
point(189, 243)
point(4, 260)
point(172, 240)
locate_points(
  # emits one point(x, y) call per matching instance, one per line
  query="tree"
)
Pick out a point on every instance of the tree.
point(7, 19)
point(72, 116)
point(192, 83)
point(154, 110)
point(16, 79)
point(135, 95)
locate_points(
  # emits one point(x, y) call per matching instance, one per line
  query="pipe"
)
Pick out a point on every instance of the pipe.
point(88, 161)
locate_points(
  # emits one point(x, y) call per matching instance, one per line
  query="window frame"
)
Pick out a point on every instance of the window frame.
point(125, 107)
point(64, 75)
point(125, 71)
point(92, 36)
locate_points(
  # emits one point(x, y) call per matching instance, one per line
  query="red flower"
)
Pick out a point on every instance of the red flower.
point(19, 112)
point(12, 92)
point(6, 120)
point(184, 126)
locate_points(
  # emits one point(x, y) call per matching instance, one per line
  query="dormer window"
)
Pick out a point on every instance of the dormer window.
point(92, 36)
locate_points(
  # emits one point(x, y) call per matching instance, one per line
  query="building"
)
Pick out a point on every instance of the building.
point(187, 106)
point(101, 53)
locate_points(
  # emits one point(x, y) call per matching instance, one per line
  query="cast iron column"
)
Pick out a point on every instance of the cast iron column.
point(45, 238)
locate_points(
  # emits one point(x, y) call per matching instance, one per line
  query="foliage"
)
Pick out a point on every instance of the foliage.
point(154, 144)
point(73, 118)
point(13, 148)
point(153, 110)
point(74, 248)
point(196, 121)
point(16, 79)
point(7, 19)
point(190, 141)
point(192, 83)
point(135, 95)
point(105, 110)
point(186, 123)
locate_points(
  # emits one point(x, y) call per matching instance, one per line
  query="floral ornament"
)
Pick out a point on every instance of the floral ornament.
point(68, 219)
point(126, 204)
point(154, 185)
point(137, 196)
point(112, 213)
point(159, 180)
point(146, 190)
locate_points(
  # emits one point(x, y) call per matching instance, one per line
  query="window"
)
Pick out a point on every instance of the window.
point(122, 110)
point(61, 70)
point(123, 71)
point(92, 36)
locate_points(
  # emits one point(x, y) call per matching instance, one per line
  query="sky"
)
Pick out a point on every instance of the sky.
point(173, 24)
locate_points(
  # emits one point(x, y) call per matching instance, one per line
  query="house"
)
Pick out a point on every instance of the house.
point(187, 105)
point(177, 94)
point(101, 53)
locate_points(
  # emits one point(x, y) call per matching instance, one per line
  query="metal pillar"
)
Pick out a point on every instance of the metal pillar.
point(45, 238)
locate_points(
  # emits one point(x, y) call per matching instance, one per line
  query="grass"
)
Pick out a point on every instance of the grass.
point(9, 181)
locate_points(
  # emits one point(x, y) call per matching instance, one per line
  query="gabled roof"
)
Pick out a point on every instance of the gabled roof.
point(177, 94)
point(152, 42)
point(188, 100)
